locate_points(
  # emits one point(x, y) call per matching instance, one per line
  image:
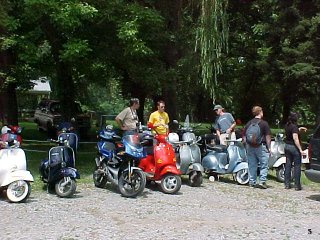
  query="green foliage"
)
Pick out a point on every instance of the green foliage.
point(74, 50)
point(212, 38)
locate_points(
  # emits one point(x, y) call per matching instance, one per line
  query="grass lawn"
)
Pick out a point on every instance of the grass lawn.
point(38, 150)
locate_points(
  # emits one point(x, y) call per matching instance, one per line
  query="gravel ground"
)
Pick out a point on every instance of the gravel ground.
point(218, 210)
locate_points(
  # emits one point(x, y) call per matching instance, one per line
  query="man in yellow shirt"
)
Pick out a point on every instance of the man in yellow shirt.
point(160, 119)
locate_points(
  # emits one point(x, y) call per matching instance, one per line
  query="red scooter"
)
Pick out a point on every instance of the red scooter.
point(160, 163)
point(15, 133)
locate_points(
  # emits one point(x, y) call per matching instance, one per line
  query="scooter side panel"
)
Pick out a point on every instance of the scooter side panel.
point(164, 153)
point(165, 160)
point(196, 153)
point(17, 175)
point(185, 158)
point(12, 157)
point(169, 169)
point(147, 164)
point(279, 162)
point(213, 160)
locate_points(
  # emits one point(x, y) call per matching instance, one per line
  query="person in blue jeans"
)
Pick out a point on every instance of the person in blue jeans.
point(293, 151)
point(258, 155)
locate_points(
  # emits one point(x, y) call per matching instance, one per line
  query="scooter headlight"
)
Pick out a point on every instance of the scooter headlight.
point(63, 164)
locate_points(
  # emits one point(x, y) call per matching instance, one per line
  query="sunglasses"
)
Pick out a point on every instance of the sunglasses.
point(162, 106)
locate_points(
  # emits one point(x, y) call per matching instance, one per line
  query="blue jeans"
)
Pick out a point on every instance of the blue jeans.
point(257, 156)
point(293, 156)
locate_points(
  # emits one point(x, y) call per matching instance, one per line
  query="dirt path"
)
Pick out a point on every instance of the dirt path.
point(219, 210)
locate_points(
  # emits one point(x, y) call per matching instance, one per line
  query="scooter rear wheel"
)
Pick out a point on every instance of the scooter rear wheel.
point(170, 183)
point(99, 177)
point(65, 188)
point(18, 191)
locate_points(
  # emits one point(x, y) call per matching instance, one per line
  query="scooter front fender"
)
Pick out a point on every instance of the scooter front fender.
point(197, 167)
point(69, 172)
point(169, 169)
point(133, 169)
point(240, 166)
point(279, 162)
point(17, 175)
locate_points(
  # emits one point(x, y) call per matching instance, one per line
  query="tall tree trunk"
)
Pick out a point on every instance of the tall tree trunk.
point(8, 98)
point(171, 10)
point(66, 90)
point(11, 105)
point(64, 81)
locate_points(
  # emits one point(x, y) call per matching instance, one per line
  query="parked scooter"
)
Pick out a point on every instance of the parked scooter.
point(160, 163)
point(230, 159)
point(15, 133)
point(187, 153)
point(115, 162)
point(59, 170)
point(14, 178)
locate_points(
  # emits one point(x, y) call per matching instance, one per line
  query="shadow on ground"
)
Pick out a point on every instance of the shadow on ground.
point(314, 197)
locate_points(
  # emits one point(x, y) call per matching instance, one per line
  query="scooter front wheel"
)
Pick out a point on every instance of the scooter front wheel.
point(170, 183)
point(280, 173)
point(195, 179)
point(18, 191)
point(242, 176)
point(65, 187)
point(132, 186)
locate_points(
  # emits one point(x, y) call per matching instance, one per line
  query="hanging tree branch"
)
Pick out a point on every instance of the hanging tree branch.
point(211, 40)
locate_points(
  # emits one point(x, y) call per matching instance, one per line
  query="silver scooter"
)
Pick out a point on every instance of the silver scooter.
point(230, 159)
point(187, 151)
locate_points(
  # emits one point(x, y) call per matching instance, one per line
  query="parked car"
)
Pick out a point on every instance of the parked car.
point(48, 116)
point(313, 171)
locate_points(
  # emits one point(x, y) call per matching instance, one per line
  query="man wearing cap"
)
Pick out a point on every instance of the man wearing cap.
point(224, 125)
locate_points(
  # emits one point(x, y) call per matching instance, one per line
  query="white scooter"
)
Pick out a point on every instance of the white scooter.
point(14, 178)
point(277, 158)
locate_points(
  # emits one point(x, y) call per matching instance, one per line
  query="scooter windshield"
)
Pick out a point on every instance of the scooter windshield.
point(132, 140)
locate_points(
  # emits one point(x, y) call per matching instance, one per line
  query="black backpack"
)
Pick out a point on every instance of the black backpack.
point(253, 134)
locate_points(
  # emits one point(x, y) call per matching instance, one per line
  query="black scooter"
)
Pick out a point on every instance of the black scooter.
point(58, 170)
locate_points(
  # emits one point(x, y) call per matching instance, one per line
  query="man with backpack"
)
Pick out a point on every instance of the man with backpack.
point(257, 136)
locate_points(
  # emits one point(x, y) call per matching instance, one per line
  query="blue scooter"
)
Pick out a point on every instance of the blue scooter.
point(230, 159)
point(59, 169)
point(116, 162)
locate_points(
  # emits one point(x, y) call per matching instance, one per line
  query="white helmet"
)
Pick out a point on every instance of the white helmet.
point(5, 130)
point(173, 137)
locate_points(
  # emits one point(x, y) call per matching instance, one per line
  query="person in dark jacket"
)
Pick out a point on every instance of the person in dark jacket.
point(258, 155)
point(293, 151)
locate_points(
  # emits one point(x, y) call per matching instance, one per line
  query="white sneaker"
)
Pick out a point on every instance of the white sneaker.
point(226, 167)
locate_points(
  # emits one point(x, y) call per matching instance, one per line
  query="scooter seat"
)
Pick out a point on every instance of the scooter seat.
point(219, 148)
